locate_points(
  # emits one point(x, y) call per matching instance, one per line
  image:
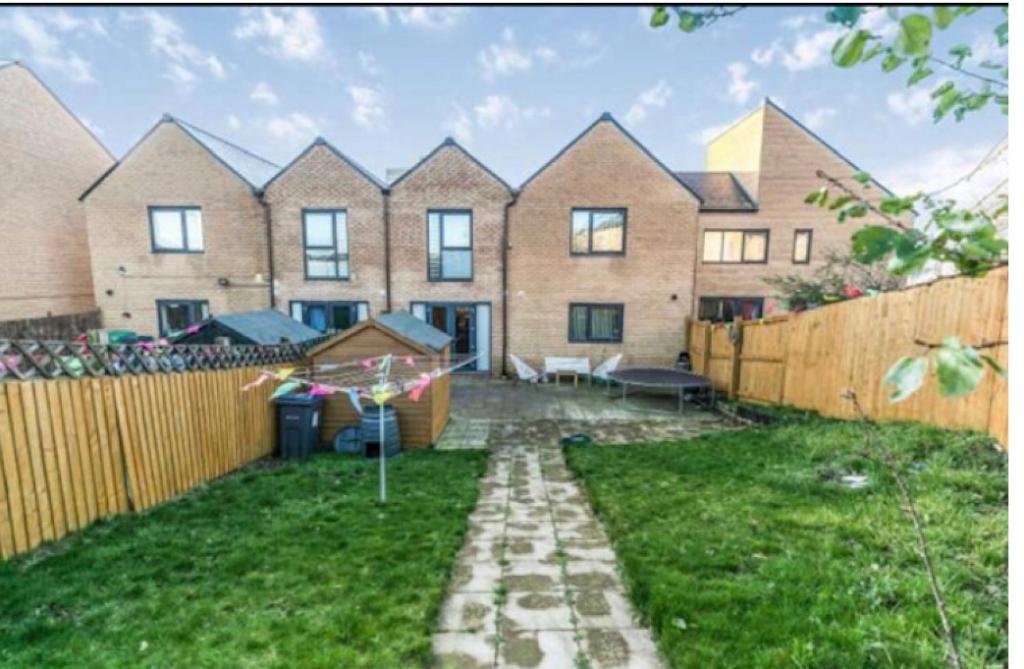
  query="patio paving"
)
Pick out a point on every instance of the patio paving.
point(537, 584)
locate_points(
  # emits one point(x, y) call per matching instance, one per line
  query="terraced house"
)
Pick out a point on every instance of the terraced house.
point(604, 250)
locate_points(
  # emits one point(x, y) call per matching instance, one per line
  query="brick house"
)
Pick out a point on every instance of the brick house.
point(47, 158)
point(177, 231)
point(602, 247)
point(327, 244)
point(446, 222)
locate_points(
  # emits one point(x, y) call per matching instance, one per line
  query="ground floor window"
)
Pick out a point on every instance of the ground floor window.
point(720, 309)
point(328, 317)
point(176, 315)
point(595, 322)
point(469, 326)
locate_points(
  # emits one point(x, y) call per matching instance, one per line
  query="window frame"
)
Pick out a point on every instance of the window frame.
point(181, 209)
point(328, 304)
point(743, 246)
point(732, 298)
point(589, 306)
point(810, 245)
point(334, 236)
point(442, 248)
point(590, 230)
point(202, 305)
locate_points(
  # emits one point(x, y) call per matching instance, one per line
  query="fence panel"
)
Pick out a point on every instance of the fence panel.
point(74, 451)
point(811, 359)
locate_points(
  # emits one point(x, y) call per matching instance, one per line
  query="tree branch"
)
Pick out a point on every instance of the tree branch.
point(968, 73)
point(857, 196)
point(981, 346)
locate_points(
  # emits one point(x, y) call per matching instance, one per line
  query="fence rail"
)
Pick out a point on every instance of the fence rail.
point(76, 450)
point(810, 359)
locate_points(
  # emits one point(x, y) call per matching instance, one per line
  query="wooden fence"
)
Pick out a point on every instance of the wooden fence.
point(63, 326)
point(74, 451)
point(810, 359)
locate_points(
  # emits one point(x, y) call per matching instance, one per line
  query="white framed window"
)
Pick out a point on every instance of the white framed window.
point(176, 229)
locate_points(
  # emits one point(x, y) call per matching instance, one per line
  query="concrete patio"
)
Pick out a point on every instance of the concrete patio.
point(537, 584)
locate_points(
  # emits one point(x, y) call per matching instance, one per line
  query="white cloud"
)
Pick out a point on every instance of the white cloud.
point(817, 118)
point(68, 23)
point(939, 168)
point(438, 19)
point(500, 111)
point(705, 135)
point(810, 51)
point(368, 63)
point(367, 106)
point(912, 106)
point(655, 97)
point(504, 58)
point(294, 128)
point(740, 87)
point(290, 33)
point(459, 125)
point(167, 38)
point(234, 122)
point(799, 21)
point(379, 14)
point(263, 94)
point(765, 56)
point(47, 49)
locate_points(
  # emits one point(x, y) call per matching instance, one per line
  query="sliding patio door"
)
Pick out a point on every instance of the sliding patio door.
point(467, 323)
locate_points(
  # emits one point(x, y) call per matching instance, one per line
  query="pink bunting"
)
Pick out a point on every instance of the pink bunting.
point(421, 386)
point(163, 341)
point(409, 361)
point(192, 329)
point(82, 338)
point(264, 376)
point(148, 345)
point(320, 390)
point(368, 363)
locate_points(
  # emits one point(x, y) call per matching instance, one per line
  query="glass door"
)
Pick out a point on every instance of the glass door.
point(458, 321)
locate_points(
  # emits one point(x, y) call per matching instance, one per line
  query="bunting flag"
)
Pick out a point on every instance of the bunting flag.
point(284, 373)
point(320, 390)
point(260, 380)
point(353, 397)
point(409, 361)
point(285, 388)
point(192, 329)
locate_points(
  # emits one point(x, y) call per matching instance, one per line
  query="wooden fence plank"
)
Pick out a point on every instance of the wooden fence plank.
point(35, 452)
point(60, 447)
point(15, 497)
point(29, 499)
point(50, 463)
point(84, 452)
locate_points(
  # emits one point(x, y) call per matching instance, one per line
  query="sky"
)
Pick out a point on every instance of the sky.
point(513, 84)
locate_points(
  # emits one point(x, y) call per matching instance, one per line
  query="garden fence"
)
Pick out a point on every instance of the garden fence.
point(119, 433)
point(810, 359)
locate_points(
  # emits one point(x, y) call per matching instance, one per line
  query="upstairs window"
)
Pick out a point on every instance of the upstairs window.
point(598, 232)
point(735, 246)
point(802, 246)
point(450, 245)
point(595, 322)
point(325, 241)
point(174, 316)
point(176, 229)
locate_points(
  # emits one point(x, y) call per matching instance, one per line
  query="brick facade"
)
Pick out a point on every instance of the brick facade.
point(322, 178)
point(47, 158)
point(449, 179)
point(170, 168)
point(653, 279)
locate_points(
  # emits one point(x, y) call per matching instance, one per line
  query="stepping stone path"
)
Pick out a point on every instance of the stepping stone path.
point(536, 585)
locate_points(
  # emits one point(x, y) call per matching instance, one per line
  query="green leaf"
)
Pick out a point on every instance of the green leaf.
point(689, 21)
point(994, 364)
point(659, 17)
point(942, 89)
point(944, 15)
point(849, 49)
point(846, 15)
point(891, 62)
point(907, 376)
point(816, 196)
point(873, 242)
point(1003, 33)
point(919, 74)
point(915, 35)
point(840, 201)
point(958, 369)
point(857, 211)
point(861, 177)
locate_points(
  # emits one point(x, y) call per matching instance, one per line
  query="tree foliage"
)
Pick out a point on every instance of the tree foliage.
point(840, 277)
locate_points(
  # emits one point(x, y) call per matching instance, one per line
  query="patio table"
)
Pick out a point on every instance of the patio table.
point(663, 377)
point(558, 366)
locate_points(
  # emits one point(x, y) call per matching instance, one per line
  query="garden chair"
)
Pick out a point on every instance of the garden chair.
point(602, 371)
point(524, 371)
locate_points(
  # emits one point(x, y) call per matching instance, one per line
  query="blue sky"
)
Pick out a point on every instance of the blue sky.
point(513, 84)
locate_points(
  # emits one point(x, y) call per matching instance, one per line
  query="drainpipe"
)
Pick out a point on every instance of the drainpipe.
point(504, 286)
point(387, 249)
point(267, 219)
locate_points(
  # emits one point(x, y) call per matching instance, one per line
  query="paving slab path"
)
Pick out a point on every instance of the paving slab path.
point(536, 585)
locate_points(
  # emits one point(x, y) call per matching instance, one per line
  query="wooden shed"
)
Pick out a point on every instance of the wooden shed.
point(402, 334)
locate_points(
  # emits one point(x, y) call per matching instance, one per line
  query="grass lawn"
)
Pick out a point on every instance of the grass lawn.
point(276, 566)
point(743, 549)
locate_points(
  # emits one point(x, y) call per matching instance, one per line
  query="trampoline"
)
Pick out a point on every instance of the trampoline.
point(664, 378)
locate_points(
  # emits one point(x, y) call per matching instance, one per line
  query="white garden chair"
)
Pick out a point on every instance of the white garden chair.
point(524, 371)
point(602, 371)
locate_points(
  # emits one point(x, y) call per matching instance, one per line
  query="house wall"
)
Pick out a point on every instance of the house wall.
point(170, 168)
point(449, 179)
point(47, 159)
point(320, 179)
point(789, 160)
point(654, 279)
point(738, 150)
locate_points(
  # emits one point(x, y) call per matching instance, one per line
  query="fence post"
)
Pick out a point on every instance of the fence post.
point(707, 349)
point(737, 350)
point(785, 359)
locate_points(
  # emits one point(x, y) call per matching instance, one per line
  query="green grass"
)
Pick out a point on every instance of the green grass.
point(290, 566)
point(742, 549)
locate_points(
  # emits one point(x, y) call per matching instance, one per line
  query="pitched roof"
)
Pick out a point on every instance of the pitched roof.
point(413, 328)
point(607, 117)
point(320, 141)
point(719, 191)
point(449, 141)
point(244, 164)
point(264, 326)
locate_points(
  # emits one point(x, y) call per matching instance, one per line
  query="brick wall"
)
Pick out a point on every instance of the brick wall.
point(654, 279)
point(47, 159)
point(449, 179)
point(169, 168)
point(790, 158)
point(321, 179)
